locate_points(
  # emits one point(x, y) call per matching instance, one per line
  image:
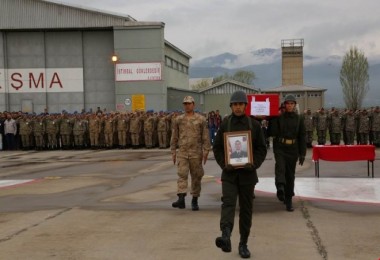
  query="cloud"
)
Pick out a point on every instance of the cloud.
point(205, 28)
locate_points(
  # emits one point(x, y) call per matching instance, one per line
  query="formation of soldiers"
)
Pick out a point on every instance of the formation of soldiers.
point(97, 130)
point(343, 125)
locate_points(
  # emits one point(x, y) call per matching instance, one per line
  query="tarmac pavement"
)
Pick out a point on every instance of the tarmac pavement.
point(116, 204)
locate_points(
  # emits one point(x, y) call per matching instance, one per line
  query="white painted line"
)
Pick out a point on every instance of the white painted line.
point(9, 183)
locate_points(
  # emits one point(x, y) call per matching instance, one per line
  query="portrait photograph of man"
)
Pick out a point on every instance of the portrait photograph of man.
point(239, 149)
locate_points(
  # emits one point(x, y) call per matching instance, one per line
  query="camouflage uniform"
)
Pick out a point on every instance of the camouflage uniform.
point(321, 126)
point(94, 130)
point(26, 130)
point(148, 130)
point(109, 129)
point(122, 126)
point(162, 129)
point(135, 129)
point(52, 130)
point(375, 126)
point(191, 136)
point(79, 129)
point(309, 127)
point(363, 127)
point(349, 122)
point(335, 127)
point(39, 129)
point(66, 130)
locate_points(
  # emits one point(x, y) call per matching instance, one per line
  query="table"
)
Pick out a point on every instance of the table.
point(342, 153)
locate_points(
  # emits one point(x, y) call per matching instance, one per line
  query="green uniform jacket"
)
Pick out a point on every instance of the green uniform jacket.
point(240, 123)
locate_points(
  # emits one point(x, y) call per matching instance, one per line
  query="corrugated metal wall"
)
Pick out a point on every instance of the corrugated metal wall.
point(40, 14)
point(89, 50)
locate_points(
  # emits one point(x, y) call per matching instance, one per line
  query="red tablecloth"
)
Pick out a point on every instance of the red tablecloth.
point(339, 153)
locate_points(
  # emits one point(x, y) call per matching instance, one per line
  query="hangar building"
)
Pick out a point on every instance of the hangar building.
point(58, 56)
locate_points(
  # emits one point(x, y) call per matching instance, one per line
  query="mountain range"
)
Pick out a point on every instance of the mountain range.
point(319, 72)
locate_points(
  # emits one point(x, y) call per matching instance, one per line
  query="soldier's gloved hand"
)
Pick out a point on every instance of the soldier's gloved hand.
point(249, 167)
point(301, 159)
point(229, 168)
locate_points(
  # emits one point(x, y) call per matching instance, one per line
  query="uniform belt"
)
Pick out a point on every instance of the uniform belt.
point(287, 141)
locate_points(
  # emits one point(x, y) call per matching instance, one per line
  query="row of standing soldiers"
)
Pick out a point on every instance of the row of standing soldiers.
point(116, 130)
point(346, 124)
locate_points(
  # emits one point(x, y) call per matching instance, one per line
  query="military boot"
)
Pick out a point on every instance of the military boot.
point(180, 203)
point(224, 242)
point(243, 250)
point(280, 192)
point(194, 204)
point(289, 204)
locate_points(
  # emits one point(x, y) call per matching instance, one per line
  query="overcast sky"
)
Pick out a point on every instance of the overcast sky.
point(204, 28)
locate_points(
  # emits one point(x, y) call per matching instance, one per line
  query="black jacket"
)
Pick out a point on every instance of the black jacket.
point(259, 148)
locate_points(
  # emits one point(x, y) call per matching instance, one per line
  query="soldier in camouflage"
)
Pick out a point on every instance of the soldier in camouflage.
point(335, 127)
point(52, 130)
point(363, 127)
point(79, 129)
point(26, 129)
point(66, 131)
point(162, 129)
point(109, 129)
point(375, 126)
point(39, 129)
point(148, 129)
point(349, 123)
point(135, 129)
point(191, 136)
point(309, 127)
point(122, 127)
point(95, 129)
point(321, 125)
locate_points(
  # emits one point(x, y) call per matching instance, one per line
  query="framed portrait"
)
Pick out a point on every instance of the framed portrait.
point(238, 148)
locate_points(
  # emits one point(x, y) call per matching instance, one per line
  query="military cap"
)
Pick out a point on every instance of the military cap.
point(188, 99)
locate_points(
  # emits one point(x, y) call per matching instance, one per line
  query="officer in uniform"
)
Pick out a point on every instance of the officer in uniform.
point(190, 135)
point(238, 182)
point(289, 145)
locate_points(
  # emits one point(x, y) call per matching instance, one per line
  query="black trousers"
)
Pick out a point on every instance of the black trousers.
point(231, 192)
point(285, 169)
